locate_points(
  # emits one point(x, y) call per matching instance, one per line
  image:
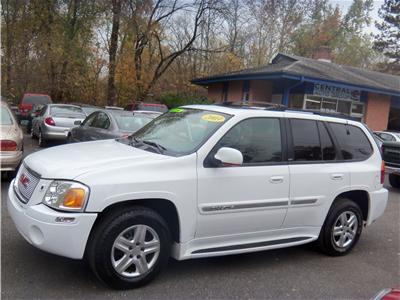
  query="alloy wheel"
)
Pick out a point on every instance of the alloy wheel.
point(135, 251)
point(345, 229)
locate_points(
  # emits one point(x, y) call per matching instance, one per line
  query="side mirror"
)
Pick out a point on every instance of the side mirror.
point(77, 123)
point(229, 156)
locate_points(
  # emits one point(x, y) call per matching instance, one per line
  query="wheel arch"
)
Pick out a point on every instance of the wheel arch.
point(360, 197)
point(164, 207)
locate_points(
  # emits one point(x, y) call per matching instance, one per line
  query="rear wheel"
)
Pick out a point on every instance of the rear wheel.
point(128, 248)
point(41, 140)
point(342, 228)
point(394, 180)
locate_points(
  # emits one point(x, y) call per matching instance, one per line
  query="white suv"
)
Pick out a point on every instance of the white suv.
point(201, 181)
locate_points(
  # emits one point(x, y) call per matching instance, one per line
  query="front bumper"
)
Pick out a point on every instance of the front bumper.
point(10, 160)
point(48, 229)
point(377, 204)
point(55, 132)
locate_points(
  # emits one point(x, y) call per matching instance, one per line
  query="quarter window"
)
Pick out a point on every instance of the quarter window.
point(354, 144)
point(306, 143)
point(258, 139)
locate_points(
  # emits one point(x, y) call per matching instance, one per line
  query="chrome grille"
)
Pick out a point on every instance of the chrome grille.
point(26, 183)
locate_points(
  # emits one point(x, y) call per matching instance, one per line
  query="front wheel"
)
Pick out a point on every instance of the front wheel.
point(128, 248)
point(394, 180)
point(342, 228)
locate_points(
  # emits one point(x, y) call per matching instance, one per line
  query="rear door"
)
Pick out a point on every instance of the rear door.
point(317, 173)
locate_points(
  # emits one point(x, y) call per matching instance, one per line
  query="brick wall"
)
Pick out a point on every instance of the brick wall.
point(215, 92)
point(235, 91)
point(260, 90)
point(377, 111)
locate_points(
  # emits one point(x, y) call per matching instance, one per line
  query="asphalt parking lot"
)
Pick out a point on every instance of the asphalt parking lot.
point(291, 273)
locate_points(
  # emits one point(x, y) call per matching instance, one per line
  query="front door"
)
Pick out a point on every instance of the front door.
point(250, 198)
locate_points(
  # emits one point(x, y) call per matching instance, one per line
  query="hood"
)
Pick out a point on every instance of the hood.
point(72, 160)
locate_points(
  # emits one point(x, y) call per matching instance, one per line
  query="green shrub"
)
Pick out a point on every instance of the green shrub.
point(175, 100)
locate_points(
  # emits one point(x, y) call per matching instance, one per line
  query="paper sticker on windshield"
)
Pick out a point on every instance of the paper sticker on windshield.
point(213, 118)
point(176, 110)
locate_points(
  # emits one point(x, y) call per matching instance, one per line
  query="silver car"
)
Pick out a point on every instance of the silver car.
point(55, 121)
point(11, 143)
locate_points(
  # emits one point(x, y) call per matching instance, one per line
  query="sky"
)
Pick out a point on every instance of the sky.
point(345, 4)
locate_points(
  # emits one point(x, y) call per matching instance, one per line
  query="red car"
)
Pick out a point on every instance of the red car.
point(29, 101)
point(146, 107)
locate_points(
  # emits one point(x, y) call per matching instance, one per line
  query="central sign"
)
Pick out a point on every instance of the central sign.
point(331, 91)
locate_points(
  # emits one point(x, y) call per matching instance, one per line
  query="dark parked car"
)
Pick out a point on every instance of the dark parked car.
point(28, 104)
point(391, 156)
point(142, 106)
point(110, 124)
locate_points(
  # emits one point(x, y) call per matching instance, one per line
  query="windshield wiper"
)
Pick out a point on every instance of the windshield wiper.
point(160, 148)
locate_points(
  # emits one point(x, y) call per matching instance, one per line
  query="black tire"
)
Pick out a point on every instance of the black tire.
point(326, 240)
point(41, 140)
point(99, 250)
point(394, 180)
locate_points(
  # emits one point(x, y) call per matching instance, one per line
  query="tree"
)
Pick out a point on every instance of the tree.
point(112, 51)
point(388, 40)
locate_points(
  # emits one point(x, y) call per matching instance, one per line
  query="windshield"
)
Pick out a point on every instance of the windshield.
point(6, 118)
point(37, 99)
point(132, 123)
point(180, 131)
point(66, 110)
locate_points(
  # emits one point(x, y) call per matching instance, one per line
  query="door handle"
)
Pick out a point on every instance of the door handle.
point(337, 176)
point(276, 179)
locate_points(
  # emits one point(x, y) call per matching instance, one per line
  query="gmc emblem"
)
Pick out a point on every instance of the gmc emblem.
point(24, 180)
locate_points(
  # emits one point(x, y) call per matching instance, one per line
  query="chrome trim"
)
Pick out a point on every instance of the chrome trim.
point(225, 207)
point(303, 201)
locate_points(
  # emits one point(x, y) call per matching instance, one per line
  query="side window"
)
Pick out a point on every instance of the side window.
point(306, 144)
point(354, 144)
point(259, 140)
point(328, 149)
point(102, 121)
point(89, 120)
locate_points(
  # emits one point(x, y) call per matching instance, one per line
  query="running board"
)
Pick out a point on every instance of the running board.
point(252, 245)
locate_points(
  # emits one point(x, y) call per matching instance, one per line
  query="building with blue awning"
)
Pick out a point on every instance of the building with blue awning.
point(314, 84)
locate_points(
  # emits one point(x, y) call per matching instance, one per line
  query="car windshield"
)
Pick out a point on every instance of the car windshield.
point(37, 99)
point(179, 132)
point(6, 118)
point(64, 110)
point(130, 122)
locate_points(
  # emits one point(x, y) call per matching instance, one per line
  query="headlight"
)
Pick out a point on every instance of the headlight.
point(66, 195)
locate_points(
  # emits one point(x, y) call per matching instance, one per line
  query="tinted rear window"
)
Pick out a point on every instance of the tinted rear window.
point(354, 144)
point(36, 99)
point(306, 144)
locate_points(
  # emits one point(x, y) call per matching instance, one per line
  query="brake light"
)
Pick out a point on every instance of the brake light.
point(7, 145)
point(382, 172)
point(50, 121)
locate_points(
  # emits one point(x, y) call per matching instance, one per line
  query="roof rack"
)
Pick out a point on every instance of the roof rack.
point(252, 104)
point(280, 107)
